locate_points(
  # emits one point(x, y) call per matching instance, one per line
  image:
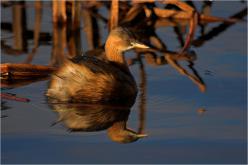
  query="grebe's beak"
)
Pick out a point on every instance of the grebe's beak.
point(139, 45)
point(141, 135)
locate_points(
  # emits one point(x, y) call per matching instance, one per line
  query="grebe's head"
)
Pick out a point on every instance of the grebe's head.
point(122, 39)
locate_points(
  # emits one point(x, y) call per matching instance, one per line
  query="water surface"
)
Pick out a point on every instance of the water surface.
point(184, 125)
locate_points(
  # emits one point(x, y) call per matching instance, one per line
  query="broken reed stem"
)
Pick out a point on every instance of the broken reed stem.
point(91, 29)
point(182, 5)
point(88, 28)
point(24, 71)
point(59, 11)
point(173, 14)
point(37, 24)
point(132, 13)
point(38, 15)
point(114, 14)
point(19, 26)
point(59, 45)
point(192, 28)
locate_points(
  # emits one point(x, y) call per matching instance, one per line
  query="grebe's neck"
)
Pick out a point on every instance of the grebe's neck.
point(116, 56)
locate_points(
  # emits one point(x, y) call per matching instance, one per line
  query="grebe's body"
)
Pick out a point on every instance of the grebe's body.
point(92, 80)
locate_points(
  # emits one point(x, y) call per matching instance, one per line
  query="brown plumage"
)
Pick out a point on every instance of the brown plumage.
point(91, 80)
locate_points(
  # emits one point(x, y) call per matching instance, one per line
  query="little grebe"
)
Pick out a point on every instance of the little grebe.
point(91, 80)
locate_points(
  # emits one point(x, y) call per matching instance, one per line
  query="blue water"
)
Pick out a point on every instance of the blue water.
point(177, 132)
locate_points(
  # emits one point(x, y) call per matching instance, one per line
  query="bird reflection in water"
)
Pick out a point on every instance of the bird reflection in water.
point(97, 117)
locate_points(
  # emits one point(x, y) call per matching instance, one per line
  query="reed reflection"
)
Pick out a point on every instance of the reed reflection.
point(173, 58)
point(142, 95)
point(97, 117)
